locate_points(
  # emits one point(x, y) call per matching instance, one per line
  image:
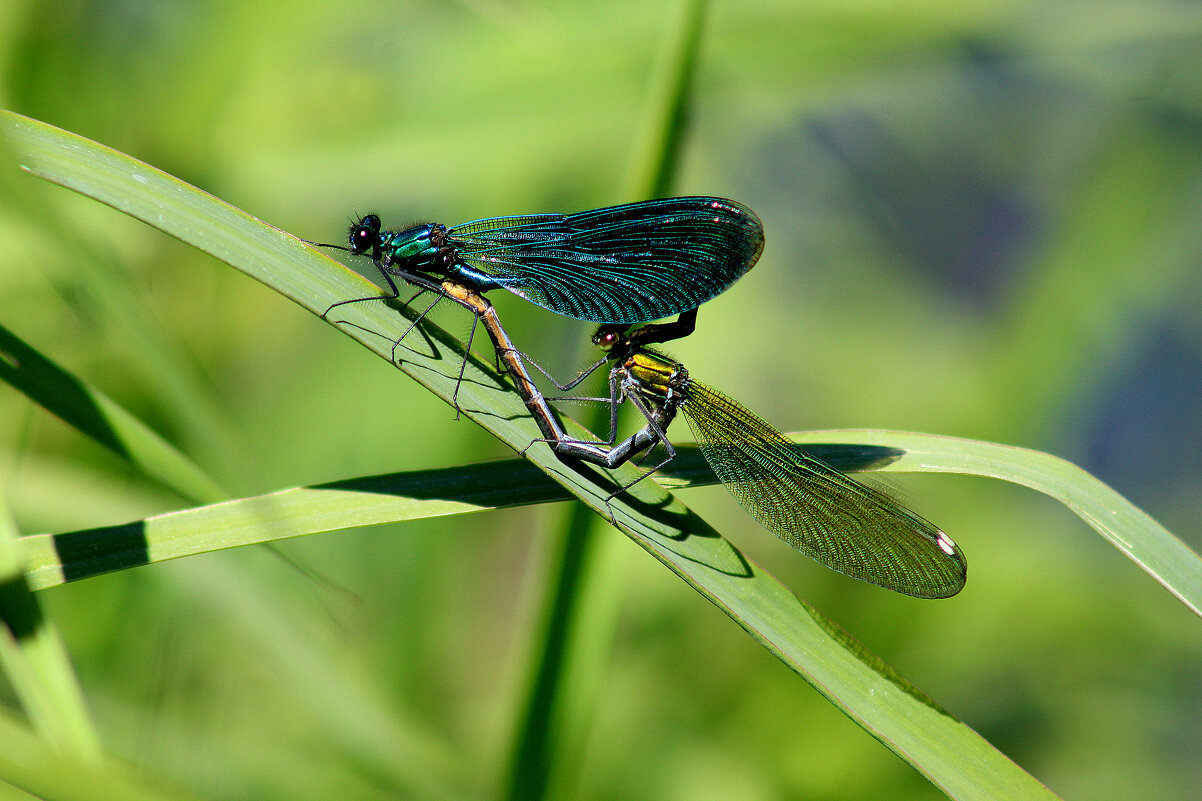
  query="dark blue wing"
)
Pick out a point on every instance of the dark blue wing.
point(622, 264)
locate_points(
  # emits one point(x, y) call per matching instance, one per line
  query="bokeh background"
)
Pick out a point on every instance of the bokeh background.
point(981, 220)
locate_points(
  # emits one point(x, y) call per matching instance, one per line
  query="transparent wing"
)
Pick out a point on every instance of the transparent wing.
point(622, 264)
point(846, 525)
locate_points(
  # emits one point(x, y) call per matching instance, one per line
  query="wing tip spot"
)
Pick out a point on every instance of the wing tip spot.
point(946, 544)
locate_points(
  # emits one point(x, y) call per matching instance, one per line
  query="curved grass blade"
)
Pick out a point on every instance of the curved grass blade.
point(953, 756)
point(396, 497)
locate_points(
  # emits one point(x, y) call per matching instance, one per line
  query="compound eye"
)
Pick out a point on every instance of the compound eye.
point(366, 235)
point(360, 240)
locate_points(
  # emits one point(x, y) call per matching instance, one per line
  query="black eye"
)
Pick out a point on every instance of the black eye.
point(366, 235)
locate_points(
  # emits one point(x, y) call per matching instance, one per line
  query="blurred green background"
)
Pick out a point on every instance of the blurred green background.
point(981, 220)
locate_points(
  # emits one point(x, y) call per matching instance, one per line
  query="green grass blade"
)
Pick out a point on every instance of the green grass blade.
point(493, 485)
point(31, 765)
point(102, 419)
point(35, 659)
point(952, 755)
point(54, 559)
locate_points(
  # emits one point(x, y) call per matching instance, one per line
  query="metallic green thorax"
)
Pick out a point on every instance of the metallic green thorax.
point(414, 246)
point(657, 377)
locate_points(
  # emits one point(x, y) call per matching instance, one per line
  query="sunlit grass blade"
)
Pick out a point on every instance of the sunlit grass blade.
point(952, 755)
point(492, 485)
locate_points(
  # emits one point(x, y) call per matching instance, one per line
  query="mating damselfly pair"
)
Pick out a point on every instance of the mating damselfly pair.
point(633, 264)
